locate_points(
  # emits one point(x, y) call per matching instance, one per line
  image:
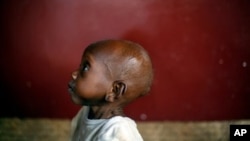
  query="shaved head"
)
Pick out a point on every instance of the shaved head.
point(125, 61)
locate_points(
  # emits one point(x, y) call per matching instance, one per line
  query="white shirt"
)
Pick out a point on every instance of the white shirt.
point(117, 128)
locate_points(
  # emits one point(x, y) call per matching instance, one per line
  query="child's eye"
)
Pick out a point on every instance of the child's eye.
point(85, 67)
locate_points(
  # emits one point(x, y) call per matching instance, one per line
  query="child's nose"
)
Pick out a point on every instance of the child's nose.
point(74, 75)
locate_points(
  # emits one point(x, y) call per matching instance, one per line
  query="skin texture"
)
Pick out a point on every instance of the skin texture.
point(112, 73)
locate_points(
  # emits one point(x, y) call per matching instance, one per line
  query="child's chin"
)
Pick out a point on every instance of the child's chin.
point(76, 100)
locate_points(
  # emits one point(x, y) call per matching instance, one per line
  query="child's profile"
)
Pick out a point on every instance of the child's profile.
point(112, 74)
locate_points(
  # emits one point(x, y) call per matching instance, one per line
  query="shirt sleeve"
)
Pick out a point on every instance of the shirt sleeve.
point(121, 131)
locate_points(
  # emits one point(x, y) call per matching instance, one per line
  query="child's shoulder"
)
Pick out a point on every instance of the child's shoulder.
point(121, 119)
point(122, 128)
point(121, 122)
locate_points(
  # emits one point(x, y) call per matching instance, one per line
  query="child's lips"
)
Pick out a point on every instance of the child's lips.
point(70, 88)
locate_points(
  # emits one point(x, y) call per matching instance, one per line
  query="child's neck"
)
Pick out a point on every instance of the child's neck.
point(105, 112)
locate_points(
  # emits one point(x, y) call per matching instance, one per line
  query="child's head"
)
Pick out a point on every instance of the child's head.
point(111, 71)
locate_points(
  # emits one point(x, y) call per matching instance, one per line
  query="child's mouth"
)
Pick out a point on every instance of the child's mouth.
point(70, 88)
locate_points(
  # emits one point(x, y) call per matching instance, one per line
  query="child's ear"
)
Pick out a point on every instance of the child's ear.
point(118, 89)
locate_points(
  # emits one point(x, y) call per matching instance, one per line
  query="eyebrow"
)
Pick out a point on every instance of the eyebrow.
point(88, 57)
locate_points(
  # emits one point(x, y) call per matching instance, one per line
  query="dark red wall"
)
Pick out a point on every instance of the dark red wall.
point(200, 50)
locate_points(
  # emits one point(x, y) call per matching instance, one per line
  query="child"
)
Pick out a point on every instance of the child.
point(112, 74)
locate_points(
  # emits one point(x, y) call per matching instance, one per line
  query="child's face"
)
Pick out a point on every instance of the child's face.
point(89, 83)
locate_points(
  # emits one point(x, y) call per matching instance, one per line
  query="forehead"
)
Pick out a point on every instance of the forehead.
point(113, 52)
point(100, 59)
point(104, 48)
point(106, 51)
point(96, 55)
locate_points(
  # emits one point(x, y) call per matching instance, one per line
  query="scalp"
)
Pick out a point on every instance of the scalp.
point(126, 61)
